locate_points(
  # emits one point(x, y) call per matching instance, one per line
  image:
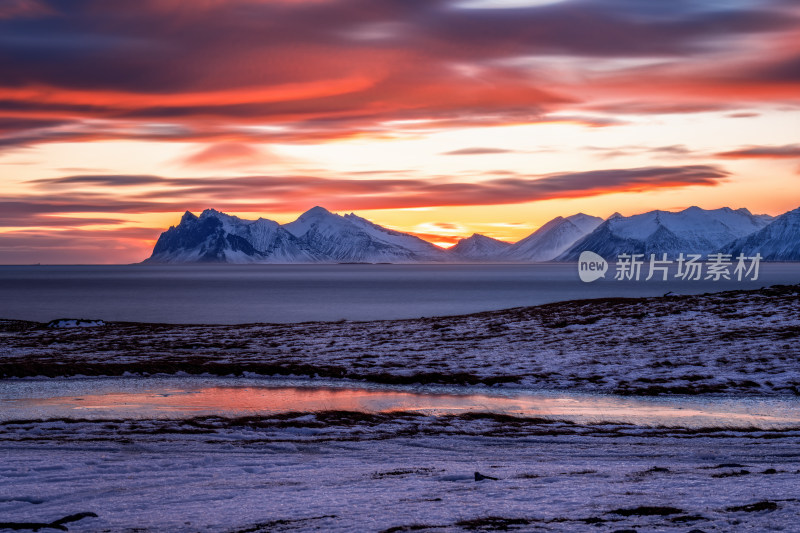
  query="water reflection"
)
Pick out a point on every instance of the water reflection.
point(186, 397)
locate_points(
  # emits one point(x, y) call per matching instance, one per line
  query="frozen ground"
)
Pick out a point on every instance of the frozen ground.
point(345, 471)
point(340, 471)
point(742, 342)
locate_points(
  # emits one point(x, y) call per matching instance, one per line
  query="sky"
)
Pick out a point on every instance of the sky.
point(441, 118)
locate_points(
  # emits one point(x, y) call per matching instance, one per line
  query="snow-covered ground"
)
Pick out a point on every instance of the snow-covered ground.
point(742, 342)
point(347, 472)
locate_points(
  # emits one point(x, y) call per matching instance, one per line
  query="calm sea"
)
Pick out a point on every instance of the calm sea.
point(235, 294)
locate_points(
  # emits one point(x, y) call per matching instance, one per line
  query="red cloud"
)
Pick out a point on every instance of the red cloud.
point(329, 69)
point(297, 193)
point(61, 239)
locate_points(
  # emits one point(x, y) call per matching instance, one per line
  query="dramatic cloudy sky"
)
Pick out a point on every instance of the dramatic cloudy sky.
point(438, 117)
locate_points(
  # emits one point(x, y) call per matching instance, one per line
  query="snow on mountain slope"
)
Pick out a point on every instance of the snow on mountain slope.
point(478, 248)
point(395, 238)
point(217, 237)
point(277, 244)
point(552, 239)
point(321, 236)
point(693, 230)
point(354, 239)
point(778, 241)
point(585, 223)
point(198, 239)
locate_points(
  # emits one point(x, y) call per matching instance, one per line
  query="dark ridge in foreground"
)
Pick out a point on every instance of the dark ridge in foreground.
point(736, 342)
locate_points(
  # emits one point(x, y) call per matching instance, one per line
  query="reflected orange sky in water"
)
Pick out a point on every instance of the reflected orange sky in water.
point(237, 401)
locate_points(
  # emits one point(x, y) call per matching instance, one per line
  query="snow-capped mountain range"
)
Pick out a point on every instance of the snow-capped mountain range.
point(319, 236)
point(691, 231)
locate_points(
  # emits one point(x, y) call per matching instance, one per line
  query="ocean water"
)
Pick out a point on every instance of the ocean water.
point(236, 294)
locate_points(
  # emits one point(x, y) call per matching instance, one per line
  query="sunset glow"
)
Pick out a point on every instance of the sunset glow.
point(440, 118)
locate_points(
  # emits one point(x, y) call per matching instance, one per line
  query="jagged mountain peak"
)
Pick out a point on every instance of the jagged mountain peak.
point(212, 213)
point(218, 237)
point(188, 216)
